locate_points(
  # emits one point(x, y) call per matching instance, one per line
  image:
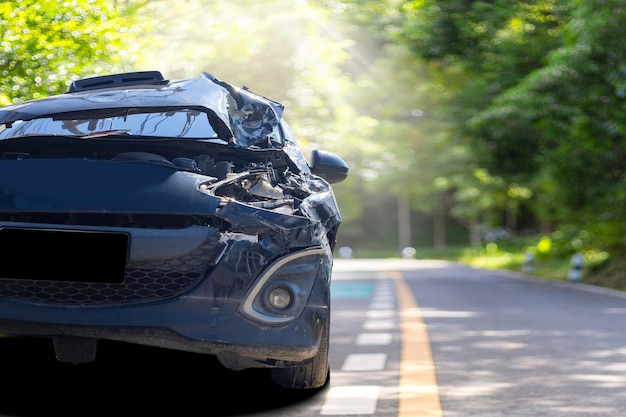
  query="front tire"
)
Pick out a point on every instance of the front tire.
point(314, 374)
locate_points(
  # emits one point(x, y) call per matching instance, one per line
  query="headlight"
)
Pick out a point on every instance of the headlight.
point(281, 293)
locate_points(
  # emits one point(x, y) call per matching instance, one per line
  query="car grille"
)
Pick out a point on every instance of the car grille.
point(144, 281)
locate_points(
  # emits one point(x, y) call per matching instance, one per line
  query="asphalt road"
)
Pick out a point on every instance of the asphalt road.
point(505, 346)
point(408, 338)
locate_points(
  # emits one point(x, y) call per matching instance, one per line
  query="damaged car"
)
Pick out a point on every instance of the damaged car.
point(178, 214)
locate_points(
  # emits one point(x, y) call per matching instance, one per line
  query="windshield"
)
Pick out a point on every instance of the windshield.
point(172, 123)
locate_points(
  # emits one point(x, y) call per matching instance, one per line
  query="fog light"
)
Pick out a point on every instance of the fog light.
point(280, 294)
point(279, 298)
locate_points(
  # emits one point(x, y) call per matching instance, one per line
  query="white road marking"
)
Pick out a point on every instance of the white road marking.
point(357, 399)
point(382, 305)
point(383, 298)
point(380, 314)
point(365, 362)
point(379, 325)
point(374, 339)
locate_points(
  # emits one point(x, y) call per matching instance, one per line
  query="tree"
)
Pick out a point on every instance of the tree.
point(48, 43)
point(480, 51)
point(574, 107)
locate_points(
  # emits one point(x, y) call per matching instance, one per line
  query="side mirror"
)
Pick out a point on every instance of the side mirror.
point(328, 166)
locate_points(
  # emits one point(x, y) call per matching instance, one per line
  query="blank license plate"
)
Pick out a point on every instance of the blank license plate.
point(63, 255)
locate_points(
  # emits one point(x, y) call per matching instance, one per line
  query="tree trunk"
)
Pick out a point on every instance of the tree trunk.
point(404, 224)
point(439, 229)
point(475, 232)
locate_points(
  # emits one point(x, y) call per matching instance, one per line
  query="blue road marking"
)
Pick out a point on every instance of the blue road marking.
point(351, 289)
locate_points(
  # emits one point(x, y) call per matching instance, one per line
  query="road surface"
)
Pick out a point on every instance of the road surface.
point(409, 339)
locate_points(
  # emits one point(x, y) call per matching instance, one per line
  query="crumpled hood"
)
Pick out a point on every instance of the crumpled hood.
point(76, 185)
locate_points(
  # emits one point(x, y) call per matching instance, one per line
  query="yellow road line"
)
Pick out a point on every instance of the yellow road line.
point(419, 393)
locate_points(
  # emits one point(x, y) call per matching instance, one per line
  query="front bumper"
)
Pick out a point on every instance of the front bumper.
point(186, 325)
point(208, 301)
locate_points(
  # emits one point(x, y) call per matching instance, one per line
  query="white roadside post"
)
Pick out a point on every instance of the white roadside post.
point(409, 252)
point(345, 252)
point(576, 267)
point(529, 262)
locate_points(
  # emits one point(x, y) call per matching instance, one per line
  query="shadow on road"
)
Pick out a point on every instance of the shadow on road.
point(133, 379)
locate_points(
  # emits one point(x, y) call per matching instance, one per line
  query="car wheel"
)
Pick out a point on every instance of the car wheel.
point(315, 374)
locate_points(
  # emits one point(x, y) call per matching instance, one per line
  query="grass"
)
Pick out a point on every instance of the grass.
point(602, 271)
point(605, 272)
point(509, 255)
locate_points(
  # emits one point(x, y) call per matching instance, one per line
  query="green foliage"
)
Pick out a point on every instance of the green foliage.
point(47, 43)
point(568, 240)
point(483, 36)
point(477, 51)
point(544, 248)
point(496, 44)
point(542, 102)
point(568, 116)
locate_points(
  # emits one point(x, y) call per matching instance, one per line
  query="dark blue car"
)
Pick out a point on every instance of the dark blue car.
point(172, 213)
